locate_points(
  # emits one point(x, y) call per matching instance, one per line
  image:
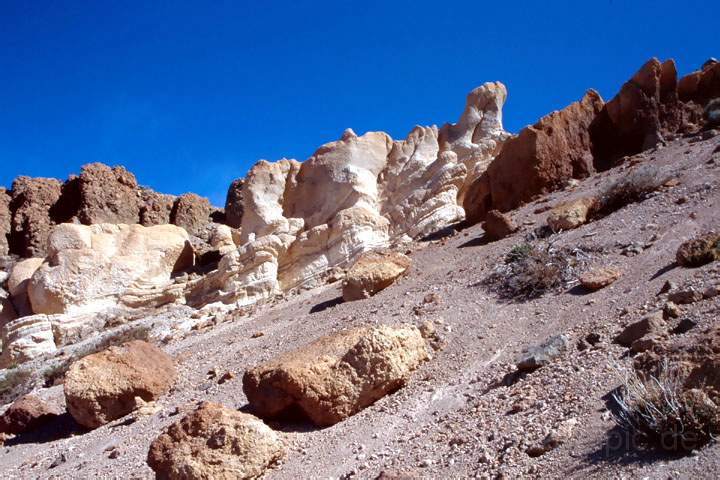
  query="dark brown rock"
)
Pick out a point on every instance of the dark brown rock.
point(192, 212)
point(701, 86)
point(32, 200)
point(498, 225)
point(699, 251)
point(108, 195)
point(5, 222)
point(478, 200)
point(26, 414)
point(234, 204)
point(156, 208)
point(652, 324)
point(543, 157)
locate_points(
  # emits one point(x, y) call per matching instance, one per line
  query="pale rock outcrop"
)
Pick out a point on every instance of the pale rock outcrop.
point(26, 338)
point(215, 442)
point(18, 283)
point(338, 375)
point(221, 238)
point(89, 268)
point(373, 272)
point(102, 387)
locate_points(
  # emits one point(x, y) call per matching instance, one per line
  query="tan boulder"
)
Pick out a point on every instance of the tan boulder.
point(338, 375)
point(498, 225)
point(215, 442)
point(102, 387)
point(572, 214)
point(18, 283)
point(90, 267)
point(599, 277)
point(650, 325)
point(373, 272)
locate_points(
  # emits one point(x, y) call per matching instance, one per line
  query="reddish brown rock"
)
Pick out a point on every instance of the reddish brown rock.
point(215, 442)
point(699, 251)
point(27, 414)
point(102, 387)
point(338, 375)
point(5, 222)
point(498, 225)
point(543, 157)
point(192, 212)
point(32, 201)
point(108, 195)
point(234, 204)
point(649, 325)
point(156, 208)
point(478, 199)
point(701, 86)
point(599, 278)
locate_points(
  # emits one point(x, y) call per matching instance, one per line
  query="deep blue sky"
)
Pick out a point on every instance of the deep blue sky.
point(188, 95)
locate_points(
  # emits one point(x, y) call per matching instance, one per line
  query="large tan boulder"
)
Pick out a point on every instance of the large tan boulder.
point(90, 267)
point(32, 200)
point(215, 442)
point(373, 272)
point(108, 195)
point(102, 387)
point(18, 283)
point(571, 214)
point(338, 375)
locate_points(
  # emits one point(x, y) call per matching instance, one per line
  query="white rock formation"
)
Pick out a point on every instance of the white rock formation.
point(26, 338)
point(356, 194)
point(89, 268)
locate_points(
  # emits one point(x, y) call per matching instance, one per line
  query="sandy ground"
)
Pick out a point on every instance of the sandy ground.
point(456, 418)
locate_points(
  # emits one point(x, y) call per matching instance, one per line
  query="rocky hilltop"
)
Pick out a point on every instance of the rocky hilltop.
point(330, 282)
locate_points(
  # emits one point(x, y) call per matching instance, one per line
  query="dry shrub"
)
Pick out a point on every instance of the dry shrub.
point(659, 411)
point(529, 271)
point(633, 187)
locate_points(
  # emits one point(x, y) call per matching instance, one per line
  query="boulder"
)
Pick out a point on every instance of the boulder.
point(102, 387)
point(32, 201)
point(215, 442)
point(712, 113)
point(572, 214)
point(650, 325)
point(108, 195)
point(543, 157)
point(699, 251)
point(192, 212)
point(25, 339)
point(26, 414)
point(498, 225)
point(234, 204)
point(541, 355)
point(338, 375)
point(18, 283)
point(599, 278)
point(5, 222)
point(90, 267)
point(155, 208)
point(702, 85)
point(373, 272)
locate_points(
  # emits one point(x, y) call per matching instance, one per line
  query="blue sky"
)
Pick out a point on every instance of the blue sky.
point(188, 95)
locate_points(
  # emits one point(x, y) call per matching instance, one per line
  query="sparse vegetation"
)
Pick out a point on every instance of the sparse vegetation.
point(658, 411)
point(633, 187)
point(529, 271)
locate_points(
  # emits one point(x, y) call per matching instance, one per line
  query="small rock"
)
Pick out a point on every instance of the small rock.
point(257, 335)
point(650, 324)
point(711, 292)
point(538, 356)
point(684, 326)
point(671, 310)
point(498, 225)
point(668, 286)
point(644, 344)
point(699, 251)
point(599, 278)
point(684, 297)
point(227, 376)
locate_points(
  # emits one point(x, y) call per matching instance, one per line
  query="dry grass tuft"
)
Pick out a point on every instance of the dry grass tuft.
point(631, 188)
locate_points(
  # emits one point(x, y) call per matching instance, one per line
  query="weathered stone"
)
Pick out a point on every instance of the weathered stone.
point(215, 442)
point(192, 212)
point(599, 278)
point(338, 375)
point(684, 297)
point(234, 204)
point(18, 283)
point(652, 324)
point(26, 338)
point(156, 208)
point(32, 201)
point(5, 222)
point(373, 272)
point(102, 387)
point(26, 414)
point(699, 251)
point(90, 267)
point(541, 355)
point(498, 225)
point(572, 214)
point(108, 195)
